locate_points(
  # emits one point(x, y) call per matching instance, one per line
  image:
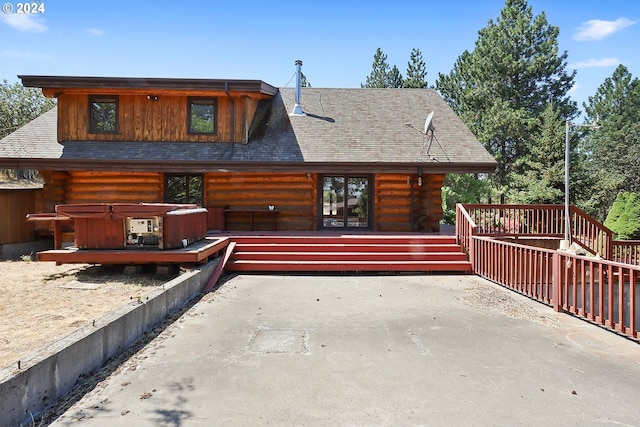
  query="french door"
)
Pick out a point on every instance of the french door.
point(345, 201)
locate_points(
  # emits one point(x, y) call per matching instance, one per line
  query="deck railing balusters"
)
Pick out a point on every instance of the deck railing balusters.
point(605, 291)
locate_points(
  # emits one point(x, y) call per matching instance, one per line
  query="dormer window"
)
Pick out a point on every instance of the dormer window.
point(103, 114)
point(202, 115)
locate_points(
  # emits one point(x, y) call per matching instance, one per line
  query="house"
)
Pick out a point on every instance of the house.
point(258, 156)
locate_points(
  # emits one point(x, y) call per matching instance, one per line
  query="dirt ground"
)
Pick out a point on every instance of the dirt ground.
point(41, 302)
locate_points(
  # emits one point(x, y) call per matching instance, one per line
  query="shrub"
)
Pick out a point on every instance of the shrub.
point(624, 216)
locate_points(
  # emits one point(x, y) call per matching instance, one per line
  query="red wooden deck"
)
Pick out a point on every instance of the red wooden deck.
point(196, 253)
point(294, 252)
point(340, 252)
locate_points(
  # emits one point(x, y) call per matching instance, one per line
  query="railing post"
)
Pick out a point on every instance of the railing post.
point(609, 243)
point(557, 282)
point(471, 251)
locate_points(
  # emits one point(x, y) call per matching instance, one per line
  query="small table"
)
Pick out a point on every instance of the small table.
point(253, 211)
point(57, 225)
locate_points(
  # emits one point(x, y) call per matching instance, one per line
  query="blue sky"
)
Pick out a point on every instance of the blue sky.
point(336, 40)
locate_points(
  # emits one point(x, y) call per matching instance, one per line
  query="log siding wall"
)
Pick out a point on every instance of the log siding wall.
point(295, 195)
point(114, 187)
point(393, 206)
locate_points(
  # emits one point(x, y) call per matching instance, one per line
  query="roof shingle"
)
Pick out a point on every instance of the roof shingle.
point(380, 128)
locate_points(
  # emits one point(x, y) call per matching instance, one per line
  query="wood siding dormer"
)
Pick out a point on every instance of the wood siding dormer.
point(156, 116)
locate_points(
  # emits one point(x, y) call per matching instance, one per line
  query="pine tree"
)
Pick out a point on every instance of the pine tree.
point(541, 173)
point(542, 177)
point(503, 86)
point(416, 71)
point(394, 78)
point(614, 148)
point(379, 76)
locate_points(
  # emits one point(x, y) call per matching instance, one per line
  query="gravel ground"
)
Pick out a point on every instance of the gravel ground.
point(41, 302)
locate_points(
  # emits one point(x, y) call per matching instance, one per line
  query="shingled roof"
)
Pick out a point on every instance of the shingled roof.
point(372, 130)
point(382, 126)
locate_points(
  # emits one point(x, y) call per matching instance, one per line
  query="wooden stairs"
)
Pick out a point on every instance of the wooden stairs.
point(347, 253)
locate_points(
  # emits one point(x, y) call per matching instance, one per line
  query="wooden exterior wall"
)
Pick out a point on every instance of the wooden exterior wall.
point(114, 187)
point(393, 204)
point(99, 187)
point(140, 119)
point(295, 196)
point(428, 203)
point(54, 191)
point(14, 207)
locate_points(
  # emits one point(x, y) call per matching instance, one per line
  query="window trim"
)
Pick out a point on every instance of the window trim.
point(202, 100)
point(104, 99)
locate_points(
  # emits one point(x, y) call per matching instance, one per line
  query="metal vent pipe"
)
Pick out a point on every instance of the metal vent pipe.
point(297, 108)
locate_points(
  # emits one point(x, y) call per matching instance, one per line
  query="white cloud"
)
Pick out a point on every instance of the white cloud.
point(596, 63)
point(24, 22)
point(95, 31)
point(575, 89)
point(597, 29)
point(24, 54)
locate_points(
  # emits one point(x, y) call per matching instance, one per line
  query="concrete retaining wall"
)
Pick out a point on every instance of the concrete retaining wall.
point(17, 250)
point(47, 375)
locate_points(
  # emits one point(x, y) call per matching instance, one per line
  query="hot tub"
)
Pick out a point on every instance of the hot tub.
point(131, 225)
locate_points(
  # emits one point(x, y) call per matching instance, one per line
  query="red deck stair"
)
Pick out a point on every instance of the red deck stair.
point(354, 253)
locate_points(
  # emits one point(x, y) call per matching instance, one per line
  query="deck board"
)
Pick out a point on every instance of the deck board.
point(196, 253)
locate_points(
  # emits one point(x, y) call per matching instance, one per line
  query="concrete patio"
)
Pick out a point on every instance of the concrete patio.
point(377, 350)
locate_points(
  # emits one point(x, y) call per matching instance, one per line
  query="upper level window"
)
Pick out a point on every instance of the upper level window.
point(202, 115)
point(103, 114)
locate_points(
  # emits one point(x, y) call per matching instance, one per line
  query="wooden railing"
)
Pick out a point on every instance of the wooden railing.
point(626, 251)
point(465, 228)
point(590, 234)
point(517, 220)
point(541, 221)
point(526, 269)
point(602, 291)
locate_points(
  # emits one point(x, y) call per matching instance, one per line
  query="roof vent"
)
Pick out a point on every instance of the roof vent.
point(297, 108)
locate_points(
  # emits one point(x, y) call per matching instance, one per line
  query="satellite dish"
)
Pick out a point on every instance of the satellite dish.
point(428, 126)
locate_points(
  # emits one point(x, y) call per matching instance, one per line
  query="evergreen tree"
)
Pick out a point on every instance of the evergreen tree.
point(541, 173)
point(416, 71)
point(503, 86)
point(542, 176)
point(379, 76)
point(614, 148)
point(394, 78)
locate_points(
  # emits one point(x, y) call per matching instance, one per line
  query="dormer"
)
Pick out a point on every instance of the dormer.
point(152, 109)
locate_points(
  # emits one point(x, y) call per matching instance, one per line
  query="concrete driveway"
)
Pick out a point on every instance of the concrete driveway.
point(370, 351)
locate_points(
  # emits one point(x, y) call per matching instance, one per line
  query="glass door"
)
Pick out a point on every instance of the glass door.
point(345, 201)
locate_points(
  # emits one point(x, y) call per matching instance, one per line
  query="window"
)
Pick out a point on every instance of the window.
point(202, 115)
point(103, 114)
point(184, 189)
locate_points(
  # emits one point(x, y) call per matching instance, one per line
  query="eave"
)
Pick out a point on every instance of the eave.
point(168, 166)
point(53, 85)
